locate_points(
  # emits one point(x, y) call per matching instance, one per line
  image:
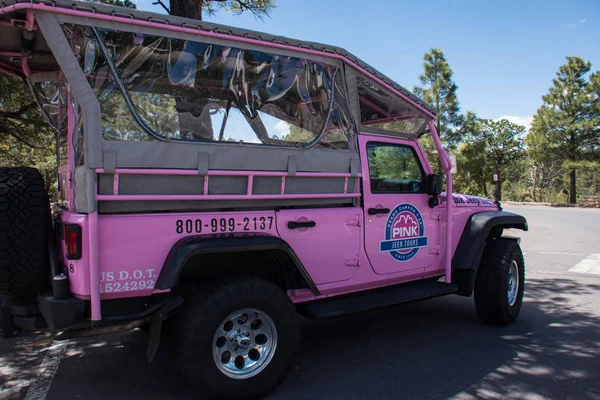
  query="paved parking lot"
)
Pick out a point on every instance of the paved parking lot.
point(436, 349)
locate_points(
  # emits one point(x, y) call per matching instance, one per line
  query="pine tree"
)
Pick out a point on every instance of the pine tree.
point(568, 123)
point(439, 90)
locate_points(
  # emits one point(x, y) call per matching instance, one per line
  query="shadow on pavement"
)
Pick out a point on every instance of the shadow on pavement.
point(20, 358)
point(439, 349)
point(436, 349)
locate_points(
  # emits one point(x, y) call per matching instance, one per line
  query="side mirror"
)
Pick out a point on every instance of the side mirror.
point(434, 188)
point(434, 184)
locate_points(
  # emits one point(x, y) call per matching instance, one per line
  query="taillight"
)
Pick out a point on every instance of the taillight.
point(73, 241)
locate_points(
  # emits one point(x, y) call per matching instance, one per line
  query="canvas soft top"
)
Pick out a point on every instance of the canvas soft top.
point(43, 62)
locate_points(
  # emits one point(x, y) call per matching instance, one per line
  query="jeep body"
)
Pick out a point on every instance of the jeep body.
point(195, 158)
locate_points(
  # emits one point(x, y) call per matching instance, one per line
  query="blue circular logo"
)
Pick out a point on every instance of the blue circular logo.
point(404, 233)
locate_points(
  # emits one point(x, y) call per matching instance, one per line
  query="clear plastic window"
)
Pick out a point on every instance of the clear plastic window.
point(46, 94)
point(63, 123)
point(52, 96)
point(195, 91)
point(117, 121)
point(381, 110)
point(394, 169)
point(77, 123)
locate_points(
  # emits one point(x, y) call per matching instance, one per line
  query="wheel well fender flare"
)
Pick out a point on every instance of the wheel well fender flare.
point(471, 245)
point(186, 248)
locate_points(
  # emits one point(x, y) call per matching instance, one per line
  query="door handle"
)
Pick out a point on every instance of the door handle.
point(306, 224)
point(373, 211)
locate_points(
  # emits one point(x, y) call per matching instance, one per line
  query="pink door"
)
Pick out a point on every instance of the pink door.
point(329, 248)
point(401, 230)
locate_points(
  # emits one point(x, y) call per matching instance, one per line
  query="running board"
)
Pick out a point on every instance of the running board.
point(376, 298)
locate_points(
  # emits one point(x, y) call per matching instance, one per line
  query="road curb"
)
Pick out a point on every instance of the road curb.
point(523, 203)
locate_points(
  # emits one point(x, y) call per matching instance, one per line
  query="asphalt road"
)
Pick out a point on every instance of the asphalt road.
point(436, 349)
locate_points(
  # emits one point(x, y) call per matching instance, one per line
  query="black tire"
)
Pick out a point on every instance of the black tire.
point(492, 282)
point(204, 314)
point(24, 226)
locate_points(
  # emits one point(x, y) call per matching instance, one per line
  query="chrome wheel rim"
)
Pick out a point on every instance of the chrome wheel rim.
point(513, 283)
point(244, 343)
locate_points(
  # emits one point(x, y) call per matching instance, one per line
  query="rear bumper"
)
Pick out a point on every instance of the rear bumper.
point(61, 313)
point(44, 312)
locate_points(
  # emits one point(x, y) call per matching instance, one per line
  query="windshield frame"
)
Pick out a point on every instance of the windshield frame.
point(368, 87)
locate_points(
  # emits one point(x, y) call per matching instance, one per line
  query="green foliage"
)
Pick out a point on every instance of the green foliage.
point(492, 147)
point(431, 153)
point(472, 176)
point(196, 8)
point(567, 126)
point(439, 90)
point(546, 168)
point(158, 112)
point(468, 126)
point(25, 137)
point(389, 162)
point(259, 8)
point(121, 3)
point(298, 135)
point(503, 143)
point(116, 115)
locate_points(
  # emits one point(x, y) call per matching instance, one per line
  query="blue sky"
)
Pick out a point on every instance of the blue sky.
point(504, 54)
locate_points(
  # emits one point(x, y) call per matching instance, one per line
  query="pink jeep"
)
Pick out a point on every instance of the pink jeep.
point(217, 182)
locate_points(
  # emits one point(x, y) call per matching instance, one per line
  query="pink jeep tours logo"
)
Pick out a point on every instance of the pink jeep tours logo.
point(404, 233)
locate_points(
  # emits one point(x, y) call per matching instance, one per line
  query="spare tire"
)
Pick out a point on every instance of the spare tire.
point(24, 228)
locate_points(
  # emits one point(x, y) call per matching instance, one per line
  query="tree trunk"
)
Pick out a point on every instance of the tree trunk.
point(573, 187)
point(534, 181)
point(187, 8)
point(484, 185)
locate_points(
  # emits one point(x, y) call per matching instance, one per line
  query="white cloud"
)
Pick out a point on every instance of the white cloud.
point(576, 24)
point(282, 128)
point(525, 121)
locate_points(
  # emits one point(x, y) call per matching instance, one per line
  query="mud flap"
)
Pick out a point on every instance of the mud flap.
point(155, 334)
point(156, 326)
